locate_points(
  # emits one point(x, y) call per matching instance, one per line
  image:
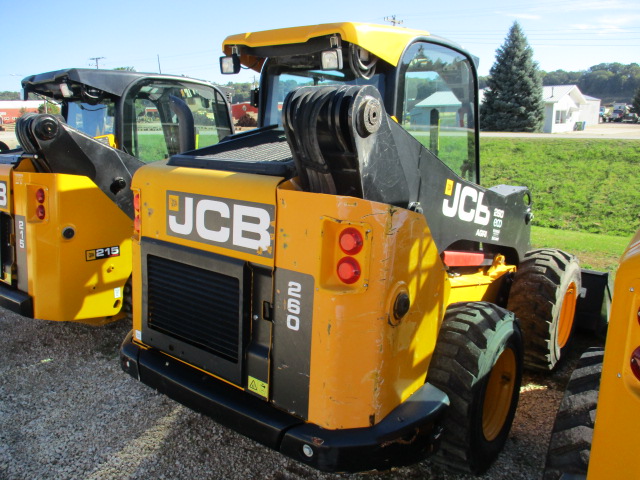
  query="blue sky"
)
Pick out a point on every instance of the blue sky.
point(186, 35)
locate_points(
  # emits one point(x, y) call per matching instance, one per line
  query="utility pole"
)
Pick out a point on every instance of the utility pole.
point(159, 69)
point(393, 21)
point(97, 59)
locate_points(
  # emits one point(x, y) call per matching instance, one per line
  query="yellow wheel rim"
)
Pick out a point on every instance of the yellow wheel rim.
point(567, 312)
point(497, 399)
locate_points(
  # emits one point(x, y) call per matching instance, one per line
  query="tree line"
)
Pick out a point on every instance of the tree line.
point(9, 95)
point(610, 82)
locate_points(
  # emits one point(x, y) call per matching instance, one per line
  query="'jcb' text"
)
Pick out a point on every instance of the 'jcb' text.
point(466, 204)
point(218, 221)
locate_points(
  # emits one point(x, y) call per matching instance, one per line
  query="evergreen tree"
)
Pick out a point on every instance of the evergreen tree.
point(513, 97)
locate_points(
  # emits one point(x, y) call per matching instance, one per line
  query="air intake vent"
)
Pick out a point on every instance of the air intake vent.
point(197, 306)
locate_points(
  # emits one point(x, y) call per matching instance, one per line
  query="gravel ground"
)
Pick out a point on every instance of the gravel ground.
point(67, 411)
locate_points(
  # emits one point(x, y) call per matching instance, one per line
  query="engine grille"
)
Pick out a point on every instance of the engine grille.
point(198, 306)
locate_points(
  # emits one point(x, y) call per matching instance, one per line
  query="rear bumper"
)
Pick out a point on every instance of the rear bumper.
point(16, 301)
point(408, 434)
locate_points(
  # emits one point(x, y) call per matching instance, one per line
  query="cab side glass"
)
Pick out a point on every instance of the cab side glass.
point(438, 104)
point(166, 117)
point(93, 120)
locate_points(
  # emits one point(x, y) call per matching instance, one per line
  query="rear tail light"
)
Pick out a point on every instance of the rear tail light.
point(351, 241)
point(635, 362)
point(346, 247)
point(349, 270)
point(40, 195)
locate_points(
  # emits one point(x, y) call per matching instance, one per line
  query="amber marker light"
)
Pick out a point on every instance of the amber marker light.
point(136, 212)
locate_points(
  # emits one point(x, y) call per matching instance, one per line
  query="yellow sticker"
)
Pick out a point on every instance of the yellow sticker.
point(174, 203)
point(448, 189)
point(258, 386)
point(90, 255)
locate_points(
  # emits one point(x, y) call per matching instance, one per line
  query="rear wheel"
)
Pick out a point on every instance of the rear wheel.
point(570, 445)
point(477, 362)
point(543, 296)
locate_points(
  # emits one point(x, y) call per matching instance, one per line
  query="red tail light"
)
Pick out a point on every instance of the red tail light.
point(349, 270)
point(40, 195)
point(40, 212)
point(635, 362)
point(136, 202)
point(351, 241)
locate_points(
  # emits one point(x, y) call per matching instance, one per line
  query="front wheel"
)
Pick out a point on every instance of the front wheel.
point(477, 362)
point(543, 296)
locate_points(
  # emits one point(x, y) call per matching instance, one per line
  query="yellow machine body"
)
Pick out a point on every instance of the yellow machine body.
point(386, 42)
point(72, 267)
point(614, 453)
point(66, 211)
point(300, 300)
point(351, 384)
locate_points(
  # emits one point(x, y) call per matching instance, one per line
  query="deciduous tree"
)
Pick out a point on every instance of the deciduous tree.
point(636, 102)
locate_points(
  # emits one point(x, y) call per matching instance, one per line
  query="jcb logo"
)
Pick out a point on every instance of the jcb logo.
point(465, 202)
point(236, 225)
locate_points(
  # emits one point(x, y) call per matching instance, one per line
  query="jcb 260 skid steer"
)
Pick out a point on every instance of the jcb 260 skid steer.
point(336, 284)
point(66, 207)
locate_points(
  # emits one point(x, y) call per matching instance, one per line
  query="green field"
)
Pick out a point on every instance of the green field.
point(586, 192)
point(152, 145)
point(588, 185)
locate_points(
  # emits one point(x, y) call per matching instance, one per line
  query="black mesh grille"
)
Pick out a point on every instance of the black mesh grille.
point(271, 147)
point(197, 306)
point(264, 152)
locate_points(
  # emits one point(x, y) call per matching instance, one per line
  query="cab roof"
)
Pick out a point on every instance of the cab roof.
point(114, 82)
point(384, 41)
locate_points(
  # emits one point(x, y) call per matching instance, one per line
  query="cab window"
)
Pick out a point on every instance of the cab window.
point(282, 80)
point(163, 118)
point(438, 104)
point(93, 120)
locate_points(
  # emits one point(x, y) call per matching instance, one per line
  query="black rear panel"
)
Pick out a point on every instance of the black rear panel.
point(183, 297)
point(6, 247)
point(196, 307)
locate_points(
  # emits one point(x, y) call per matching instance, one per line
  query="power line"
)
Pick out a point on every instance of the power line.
point(393, 21)
point(97, 59)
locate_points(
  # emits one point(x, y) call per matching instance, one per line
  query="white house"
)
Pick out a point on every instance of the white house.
point(565, 105)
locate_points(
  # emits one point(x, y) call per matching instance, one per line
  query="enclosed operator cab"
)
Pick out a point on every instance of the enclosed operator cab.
point(66, 208)
point(292, 281)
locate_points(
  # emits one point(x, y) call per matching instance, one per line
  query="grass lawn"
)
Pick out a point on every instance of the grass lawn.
point(586, 192)
point(588, 185)
point(595, 251)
